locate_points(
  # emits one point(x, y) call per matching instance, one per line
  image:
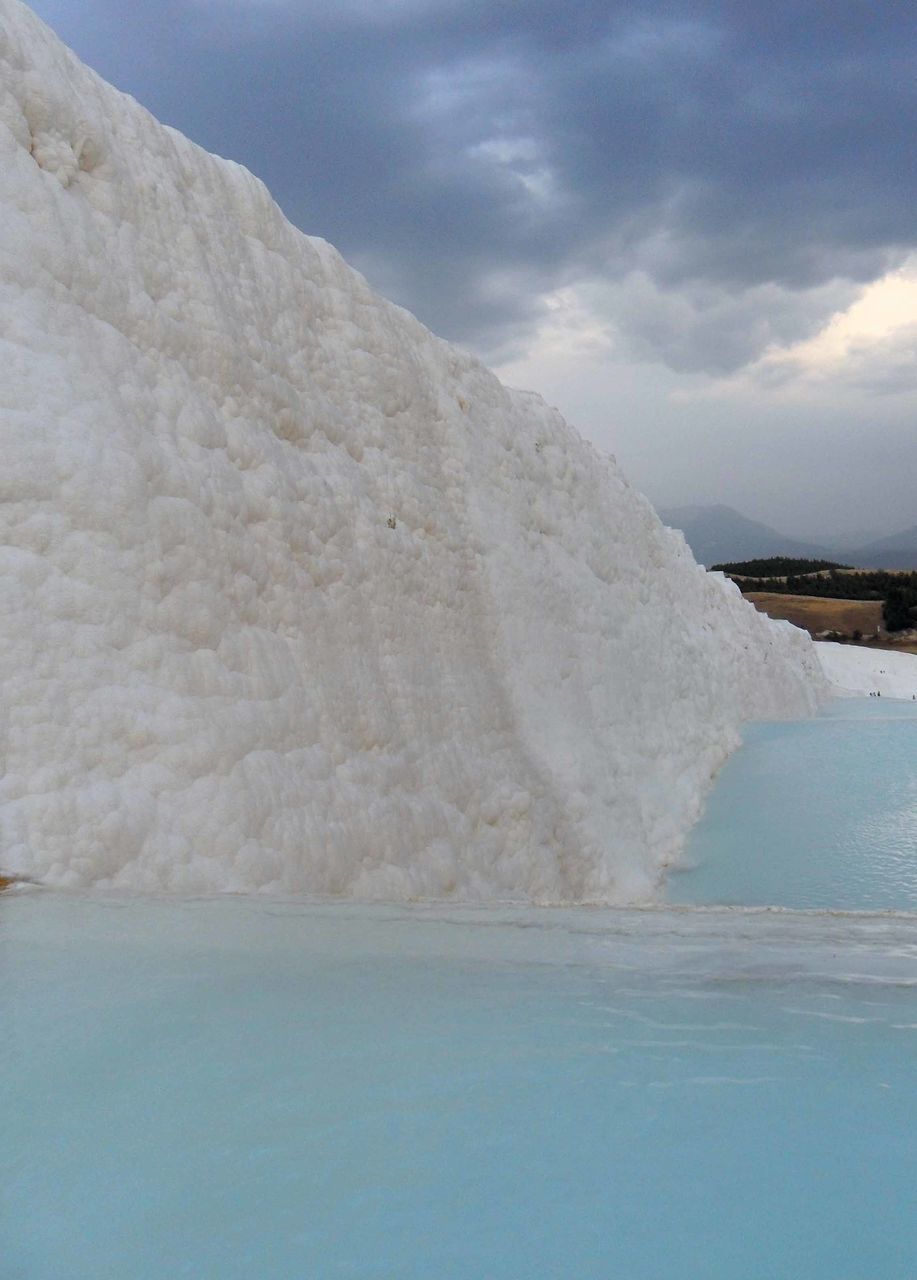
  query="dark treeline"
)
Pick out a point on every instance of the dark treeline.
point(776, 566)
point(900, 609)
point(874, 585)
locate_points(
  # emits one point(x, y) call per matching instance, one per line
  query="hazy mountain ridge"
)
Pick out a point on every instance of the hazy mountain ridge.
point(718, 534)
point(898, 551)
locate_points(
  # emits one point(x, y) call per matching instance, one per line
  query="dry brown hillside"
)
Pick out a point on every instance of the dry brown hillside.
point(821, 613)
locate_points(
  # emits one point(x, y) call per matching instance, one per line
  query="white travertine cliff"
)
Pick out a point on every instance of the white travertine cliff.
point(296, 596)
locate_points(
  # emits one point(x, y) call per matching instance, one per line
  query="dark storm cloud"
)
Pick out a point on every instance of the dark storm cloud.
point(470, 156)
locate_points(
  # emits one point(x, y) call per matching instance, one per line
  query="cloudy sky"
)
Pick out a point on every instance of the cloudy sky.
point(690, 224)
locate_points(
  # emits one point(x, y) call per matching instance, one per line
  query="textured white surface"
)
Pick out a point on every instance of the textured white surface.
point(296, 596)
point(856, 671)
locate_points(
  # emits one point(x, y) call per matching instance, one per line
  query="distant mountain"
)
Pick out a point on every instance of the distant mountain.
point(896, 552)
point(717, 534)
point(861, 538)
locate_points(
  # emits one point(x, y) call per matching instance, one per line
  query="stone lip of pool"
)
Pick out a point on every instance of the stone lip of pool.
point(819, 813)
point(653, 939)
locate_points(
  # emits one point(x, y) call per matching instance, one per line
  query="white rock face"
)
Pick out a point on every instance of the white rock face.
point(297, 597)
point(854, 671)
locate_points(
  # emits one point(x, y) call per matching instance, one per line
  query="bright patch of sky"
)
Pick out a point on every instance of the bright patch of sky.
point(872, 344)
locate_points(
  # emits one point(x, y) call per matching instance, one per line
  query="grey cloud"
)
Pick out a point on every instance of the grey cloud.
point(472, 155)
point(704, 327)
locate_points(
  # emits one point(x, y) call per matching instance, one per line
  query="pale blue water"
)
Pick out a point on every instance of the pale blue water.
point(228, 1090)
point(252, 1090)
point(819, 813)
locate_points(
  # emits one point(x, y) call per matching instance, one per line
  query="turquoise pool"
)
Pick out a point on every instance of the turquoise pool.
point(242, 1089)
point(818, 813)
point(228, 1090)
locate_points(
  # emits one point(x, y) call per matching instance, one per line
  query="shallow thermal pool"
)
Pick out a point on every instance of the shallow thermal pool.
point(813, 813)
point(228, 1089)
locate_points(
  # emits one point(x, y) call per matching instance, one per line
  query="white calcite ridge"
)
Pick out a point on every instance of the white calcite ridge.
point(857, 671)
point(297, 597)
